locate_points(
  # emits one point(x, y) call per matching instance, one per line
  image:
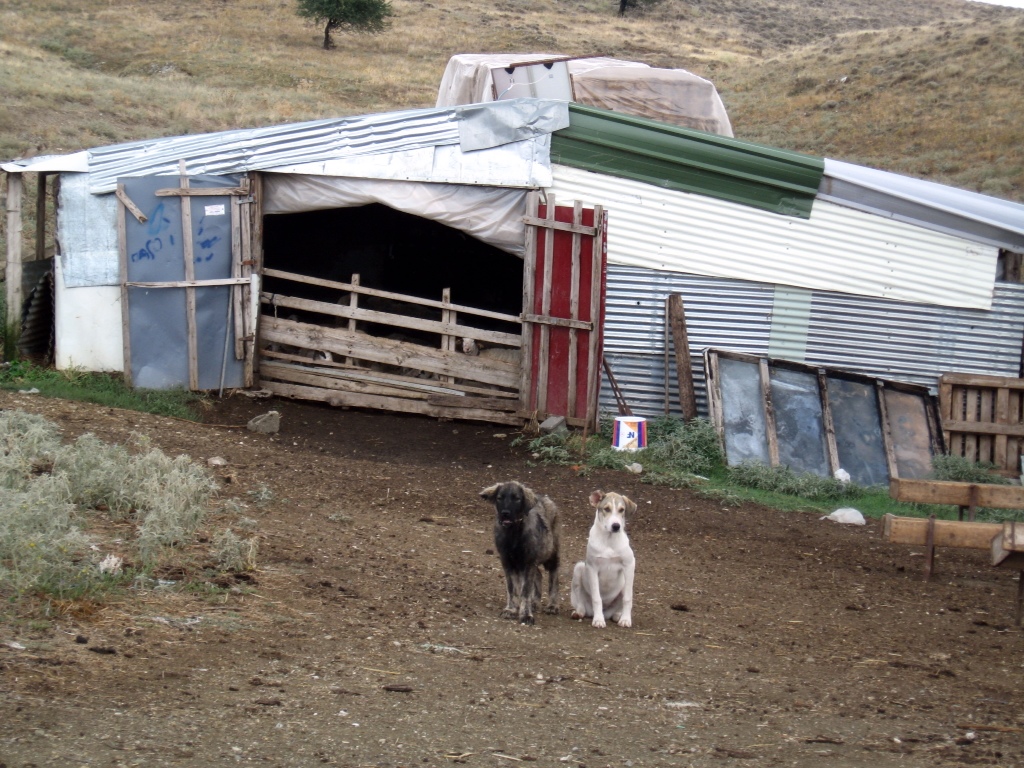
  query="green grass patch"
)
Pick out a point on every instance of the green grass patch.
point(101, 388)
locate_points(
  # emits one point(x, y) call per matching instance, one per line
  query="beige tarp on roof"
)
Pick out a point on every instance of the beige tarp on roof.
point(670, 95)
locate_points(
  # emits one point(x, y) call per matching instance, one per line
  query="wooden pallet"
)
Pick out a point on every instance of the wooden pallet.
point(983, 419)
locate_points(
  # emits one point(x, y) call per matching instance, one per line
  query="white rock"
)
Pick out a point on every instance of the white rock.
point(847, 515)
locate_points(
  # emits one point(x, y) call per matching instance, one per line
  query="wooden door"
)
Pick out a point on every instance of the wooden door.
point(187, 288)
point(563, 311)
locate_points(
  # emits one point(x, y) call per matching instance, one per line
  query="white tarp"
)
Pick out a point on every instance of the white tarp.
point(670, 95)
point(493, 215)
point(87, 233)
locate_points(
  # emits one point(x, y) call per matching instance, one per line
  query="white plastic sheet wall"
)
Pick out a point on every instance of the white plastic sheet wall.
point(837, 249)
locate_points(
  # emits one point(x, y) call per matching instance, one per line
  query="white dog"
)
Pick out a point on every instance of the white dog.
point(602, 585)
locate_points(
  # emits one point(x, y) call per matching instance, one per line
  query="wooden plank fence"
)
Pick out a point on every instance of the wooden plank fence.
point(983, 419)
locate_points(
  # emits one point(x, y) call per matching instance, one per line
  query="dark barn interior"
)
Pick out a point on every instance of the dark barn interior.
point(392, 251)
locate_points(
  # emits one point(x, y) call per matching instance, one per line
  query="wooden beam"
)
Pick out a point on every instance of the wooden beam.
point(122, 266)
point(948, 533)
point(562, 322)
point(957, 493)
point(194, 283)
point(574, 313)
point(188, 247)
point(130, 205)
point(684, 366)
point(14, 256)
point(185, 191)
point(984, 428)
point(398, 404)
point(578, 229)
point(596, 305)
point(352, 312)
point(40, 216)
point(1008, 545)
point(355, 287)
point(982, 380)
point(529, 283)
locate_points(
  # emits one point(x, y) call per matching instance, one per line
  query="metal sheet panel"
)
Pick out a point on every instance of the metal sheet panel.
point(917, 342)
point(936, 206)
point(837, 249)
point(914, 343)
point(473, 127)
point(629, 147)
point(725, 314)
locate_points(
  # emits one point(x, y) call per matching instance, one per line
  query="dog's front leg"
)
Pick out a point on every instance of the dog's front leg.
point(593, 579)
point(552, 606)
point(626, 619)
point(511, 607)
point(523, 582)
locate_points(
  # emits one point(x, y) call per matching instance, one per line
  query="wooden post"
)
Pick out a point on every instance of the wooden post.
point(771, 435)
point(190, 275)
point(574, 312)
point(14, 293)
point(40, 216)
point(448, 342)
point(596, 302)
point(122, 263)
point(529, 278)
point(929, 549)
point(684, 366)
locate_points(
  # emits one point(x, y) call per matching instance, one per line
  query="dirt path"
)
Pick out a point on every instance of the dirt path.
point(371, 635)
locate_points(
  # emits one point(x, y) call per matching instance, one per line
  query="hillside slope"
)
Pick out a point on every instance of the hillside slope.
point(926, 87)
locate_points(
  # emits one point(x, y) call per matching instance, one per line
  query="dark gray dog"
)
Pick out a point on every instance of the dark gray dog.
point(526, 537)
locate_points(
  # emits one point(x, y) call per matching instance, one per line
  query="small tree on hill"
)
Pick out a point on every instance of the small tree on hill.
point(625, 5)
point(369, 16)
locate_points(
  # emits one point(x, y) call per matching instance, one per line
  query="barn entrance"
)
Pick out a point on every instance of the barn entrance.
point(372, 307)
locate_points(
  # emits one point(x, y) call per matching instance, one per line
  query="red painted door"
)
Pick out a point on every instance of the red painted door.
point(564, 284)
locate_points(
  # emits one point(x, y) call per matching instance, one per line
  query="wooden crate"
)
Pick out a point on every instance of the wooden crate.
point(983, 419)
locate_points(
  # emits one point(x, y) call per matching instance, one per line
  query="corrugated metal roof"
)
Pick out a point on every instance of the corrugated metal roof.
point(876, 337)
point(936, 206)
point(837, 249)
point(468, 128)
point(684, 159)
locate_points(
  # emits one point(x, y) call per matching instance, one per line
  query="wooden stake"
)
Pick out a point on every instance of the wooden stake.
point(13, 278)
point(190, 274)
point(684, 366)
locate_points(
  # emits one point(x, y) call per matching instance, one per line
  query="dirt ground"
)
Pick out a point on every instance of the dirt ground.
point(370, 634)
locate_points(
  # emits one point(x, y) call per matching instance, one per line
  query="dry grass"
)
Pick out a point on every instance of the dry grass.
point(932, 87)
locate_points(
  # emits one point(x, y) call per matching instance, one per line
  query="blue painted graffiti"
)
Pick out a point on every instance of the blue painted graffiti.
point(158, 221)
point(149, 251)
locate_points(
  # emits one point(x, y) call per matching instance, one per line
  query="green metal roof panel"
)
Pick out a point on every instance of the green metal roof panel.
point(688, 160)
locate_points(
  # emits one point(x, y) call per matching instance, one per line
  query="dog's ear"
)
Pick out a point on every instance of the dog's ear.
point(529, 497)
point(488, 494)
point(630, 505)
point(595, 498)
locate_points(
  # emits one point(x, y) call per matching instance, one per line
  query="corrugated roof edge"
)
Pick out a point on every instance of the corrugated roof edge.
point(684, 159)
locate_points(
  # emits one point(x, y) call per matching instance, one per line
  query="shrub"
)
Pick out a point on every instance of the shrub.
point(945, 467)
point(49, 491)
point(683, 446)
point(233, 553)
point(41, 547)
point(785, 481)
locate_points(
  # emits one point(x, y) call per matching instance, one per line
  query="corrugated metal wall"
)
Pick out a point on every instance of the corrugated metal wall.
point(837, 249)
point(878, 337)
